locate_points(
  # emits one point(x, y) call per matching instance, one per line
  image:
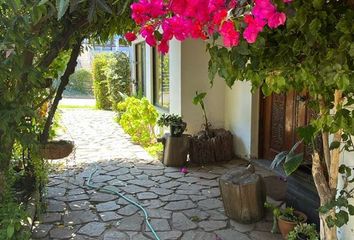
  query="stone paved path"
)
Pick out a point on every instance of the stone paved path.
point(181, 206)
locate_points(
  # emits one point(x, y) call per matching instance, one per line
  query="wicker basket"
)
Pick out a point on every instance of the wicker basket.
point(56, 149)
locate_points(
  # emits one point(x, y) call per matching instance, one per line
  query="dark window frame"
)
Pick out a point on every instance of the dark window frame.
point(140, 65)
point(156, 102)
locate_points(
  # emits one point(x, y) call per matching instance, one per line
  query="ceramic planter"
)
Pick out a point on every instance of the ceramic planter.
point(285, 226)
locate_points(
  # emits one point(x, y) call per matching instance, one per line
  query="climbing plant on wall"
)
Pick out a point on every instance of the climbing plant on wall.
point(306, 46)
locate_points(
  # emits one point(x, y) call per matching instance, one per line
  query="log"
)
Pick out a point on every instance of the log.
point(217, 148)
point(243, 194)
point(176, 151)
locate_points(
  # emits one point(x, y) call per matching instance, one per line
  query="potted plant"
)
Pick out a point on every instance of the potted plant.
point(175, 122)
point(210, 145)
point(285, 219)
point(56, 149)
point(304, 231)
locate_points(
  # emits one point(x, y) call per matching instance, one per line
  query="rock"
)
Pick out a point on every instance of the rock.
point(198, 235)
point(132, 189)
point(107, 206)
point(60, 232)
point(76, 191)
point(229, 234)
point(196, 215)
point(169, 235)
point(79, 217)
point(180, 205)
point(93, 229)
point(174, 197)
point(109, 216)
point(161, 191)
point(143, 183)
point(181, 222)
point(50, 217)
point(56, 206)
point(242, 227)
point(146, 195)
point(210, 204)
point(115, 235)
point(41, 230)
point(159, 213)
point(102, 197)
point(132, 223)
point(79, 205)
point(128, 210)
point(158, 225)
point(119, 172)
point(212, 225)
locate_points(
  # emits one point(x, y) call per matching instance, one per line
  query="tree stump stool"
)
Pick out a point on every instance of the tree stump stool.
point(243, 194)
point(176, 151)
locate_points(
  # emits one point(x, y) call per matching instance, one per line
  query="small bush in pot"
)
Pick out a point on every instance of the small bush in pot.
point(175, 122)
point(304, 231)
point(285, 219)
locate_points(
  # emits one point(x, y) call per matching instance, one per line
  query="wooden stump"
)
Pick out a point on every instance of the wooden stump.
point(215, 148)
point(243, 194)
point(176, 151)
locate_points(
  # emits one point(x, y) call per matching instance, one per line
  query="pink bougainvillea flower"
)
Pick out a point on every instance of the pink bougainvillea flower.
point(139, 13)
point(263, 9)
point(184, 170)
point(147, 32)
point(163, 46)
point(229, 34)
point(219, 17)
point(276, 20)
point(254, 27)
point(130, 36)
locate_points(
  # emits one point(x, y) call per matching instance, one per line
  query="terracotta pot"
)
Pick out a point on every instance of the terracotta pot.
point(56, 149)
point(286, 226)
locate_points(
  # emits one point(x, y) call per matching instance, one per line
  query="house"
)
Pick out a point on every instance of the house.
point(261, 126)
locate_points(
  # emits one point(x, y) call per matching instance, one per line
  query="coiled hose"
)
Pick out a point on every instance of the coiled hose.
point(106, 190)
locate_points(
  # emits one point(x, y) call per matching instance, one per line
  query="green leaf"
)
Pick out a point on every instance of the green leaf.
point(307, 133)
point(62, 6)
point(102, 4)
point(334, 145)
point(42, 2)
point(10, 231)
point(292, 162)
point(342, 218)
point(351, 209)
point(199, 98)
point(278, 159)
point(92, 10)
point(317, 4)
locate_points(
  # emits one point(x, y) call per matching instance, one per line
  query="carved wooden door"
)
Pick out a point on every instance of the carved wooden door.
point(281, 114)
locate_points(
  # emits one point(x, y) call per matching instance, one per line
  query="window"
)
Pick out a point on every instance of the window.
point(140, 69)
point(161, 81)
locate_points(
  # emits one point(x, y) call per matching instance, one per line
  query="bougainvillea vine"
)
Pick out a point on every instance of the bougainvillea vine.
point(159, 20)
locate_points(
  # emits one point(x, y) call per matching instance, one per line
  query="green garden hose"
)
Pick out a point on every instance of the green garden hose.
point(106, 190)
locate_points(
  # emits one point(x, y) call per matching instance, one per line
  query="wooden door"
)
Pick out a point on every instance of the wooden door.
point(281, 115)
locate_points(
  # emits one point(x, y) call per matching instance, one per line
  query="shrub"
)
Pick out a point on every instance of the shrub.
point(100, 85)
point(81, 81)
point(118, 77)
point(138, 118)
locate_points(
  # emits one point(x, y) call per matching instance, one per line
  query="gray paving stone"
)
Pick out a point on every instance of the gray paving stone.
point(153, 203)
point(41, 230)
point(205, 175)
point(76, 191)
point(175, 175)
point(258, 235)
point(158, 213)
point(50, 217)
point(79, 205)
point(167, 235)
point(125, 177)
point(170, 184)
point(133, 189)
point(115, 235)
point(158, 225)
point(119, 172)
point(199, 235)
point(102, 197)
point(146, 195)
point(128, 210)
point(215, 215)
point(107, 206)
point(196, 215)
point(211, 193)
point(229, 234)
point(93, 229)
point(212, 225)
point(56, 206)
point(79, 217)
point(143, 183)
point(242, 227)
point(109, 216)
point(161, 179)
point(102, 178)
point(210, 204)
point(174, 197)
point(139, 236)
point(197, 198)
point(181, 222)
point(60, 232)
point(161, 191)
point(180, 205)
point(132, 223)
point(55, 192)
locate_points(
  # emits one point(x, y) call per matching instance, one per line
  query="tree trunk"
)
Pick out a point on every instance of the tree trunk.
point(5, 156)
point(64, 80)
point(325, 194)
